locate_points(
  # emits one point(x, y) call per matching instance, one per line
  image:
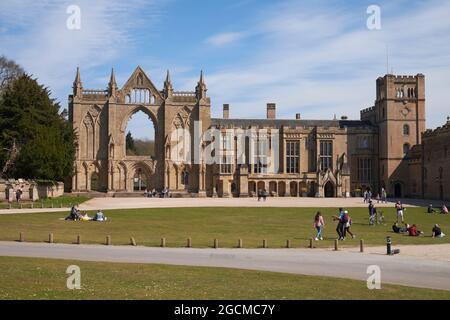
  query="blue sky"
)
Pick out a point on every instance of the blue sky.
point(316, 58)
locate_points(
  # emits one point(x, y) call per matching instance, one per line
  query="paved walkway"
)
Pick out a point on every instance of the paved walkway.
point(403, 270)
point(141, 202)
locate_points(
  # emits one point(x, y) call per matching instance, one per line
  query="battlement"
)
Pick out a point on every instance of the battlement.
point(367, 110)
point(439, 130)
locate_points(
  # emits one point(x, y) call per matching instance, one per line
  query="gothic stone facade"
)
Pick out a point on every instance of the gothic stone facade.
point(332, 158)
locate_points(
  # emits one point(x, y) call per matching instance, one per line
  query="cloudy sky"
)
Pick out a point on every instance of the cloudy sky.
point(317, 58)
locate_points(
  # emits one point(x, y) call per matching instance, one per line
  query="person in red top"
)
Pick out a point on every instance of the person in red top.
point(413, 232)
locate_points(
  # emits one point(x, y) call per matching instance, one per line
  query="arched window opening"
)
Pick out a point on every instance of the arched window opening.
point(140, 135)
point(406, 130)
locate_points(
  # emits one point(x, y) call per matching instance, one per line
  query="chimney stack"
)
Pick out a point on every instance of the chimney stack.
point(271, 111)
point(298, 116)
point(226, 111)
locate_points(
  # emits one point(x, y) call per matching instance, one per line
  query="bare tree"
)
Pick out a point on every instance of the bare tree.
point(9, 70)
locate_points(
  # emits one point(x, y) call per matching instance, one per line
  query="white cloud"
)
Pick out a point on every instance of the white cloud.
point(225, 38)
point(321, 61)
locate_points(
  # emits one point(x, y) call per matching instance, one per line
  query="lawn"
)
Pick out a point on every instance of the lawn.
point(252, 225)
point(64, 201)
point(30, 278)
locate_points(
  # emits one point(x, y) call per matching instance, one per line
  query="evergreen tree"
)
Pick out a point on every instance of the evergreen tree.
point(129, 143)
point(44, 138)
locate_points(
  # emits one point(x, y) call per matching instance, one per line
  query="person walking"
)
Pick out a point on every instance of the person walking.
point(400, 211)
point(347, 227)
point(340, 228)
point(319, 223)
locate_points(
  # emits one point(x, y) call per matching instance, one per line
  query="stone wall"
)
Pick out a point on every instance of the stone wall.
point(31, 190)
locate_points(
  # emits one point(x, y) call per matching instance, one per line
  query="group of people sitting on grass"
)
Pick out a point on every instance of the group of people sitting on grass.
point(155, 194)
point(77, 215)
point(412, 230)
point(344, 223)
point(444, 209)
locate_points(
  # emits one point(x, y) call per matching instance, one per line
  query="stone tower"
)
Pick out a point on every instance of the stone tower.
point(400, 115)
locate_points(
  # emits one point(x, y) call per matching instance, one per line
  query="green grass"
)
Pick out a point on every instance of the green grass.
point(276, 225)
point(66, 201)
point(30, 278)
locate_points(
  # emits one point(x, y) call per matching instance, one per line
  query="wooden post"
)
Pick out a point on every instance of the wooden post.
point(108, 240)
point(22, 237)
point(163, 242)
point(50, 238)
point(336, 245)
point(361, 245)
point(311, 243)
point(216, 243)
point(61, 205)
point(288, 244)
point(132, 241)
point(240, 244)
point(265, 244)
point(52, 205)
point(21, 206)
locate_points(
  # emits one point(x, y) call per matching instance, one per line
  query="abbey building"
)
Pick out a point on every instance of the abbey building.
point(320, 158)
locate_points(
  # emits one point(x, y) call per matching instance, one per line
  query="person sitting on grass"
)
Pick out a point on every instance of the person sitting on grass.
point(74, 214)
point(430, 209)
point(444, 209)
point(413, 232)
point(99, 216)
point(437, 232)
point(85, 217)
point(397, 229)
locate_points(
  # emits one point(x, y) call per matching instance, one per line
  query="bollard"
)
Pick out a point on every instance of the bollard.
point(32, 205)
point(78, 239)
point(189, 243)
point(265, 244)
point(61, 205)
point(163, 242)
point(361, 245)
point(108, 240)
point(311, 243)
point(132, 241)
point(388, 245)
point(240, 244)
point(288, 244)
point(22, 237)
point(216, 243)
point(50, 238)
point(21, 206)
point(336, 245)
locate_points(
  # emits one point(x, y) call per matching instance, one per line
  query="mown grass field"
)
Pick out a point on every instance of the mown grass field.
point(30, 278)
point(252, 225)
point(64, 201)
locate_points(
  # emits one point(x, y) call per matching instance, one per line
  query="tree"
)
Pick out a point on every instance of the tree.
point(129, 143)
point(44, 138)
point(9, 70)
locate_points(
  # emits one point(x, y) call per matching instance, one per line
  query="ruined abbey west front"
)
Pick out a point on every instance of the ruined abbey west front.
point(320, 158)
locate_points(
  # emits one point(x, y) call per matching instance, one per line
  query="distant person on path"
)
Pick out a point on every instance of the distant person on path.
point(319, 223)
point(437, 232)
point(444, 209)
point(19, 195)
point(365, 196)
point(400, 211)
point(383, 195)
